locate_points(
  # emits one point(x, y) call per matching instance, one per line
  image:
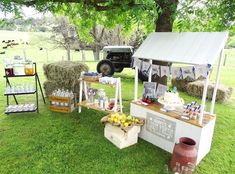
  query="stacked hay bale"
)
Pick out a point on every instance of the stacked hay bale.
point(196, 89)
point(63, 74)
point(181, 84)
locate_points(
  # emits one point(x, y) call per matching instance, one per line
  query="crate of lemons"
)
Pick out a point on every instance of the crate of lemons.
point(122, 120)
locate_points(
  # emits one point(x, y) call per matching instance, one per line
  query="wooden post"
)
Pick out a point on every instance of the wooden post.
point(225, 59)
point(204, 98)
point(216, 83)
point(120, 93)
point(116, 96)
point(85, 89)
point(150, 70)
point(136, 83)
point(80, 93)
point(47, 54)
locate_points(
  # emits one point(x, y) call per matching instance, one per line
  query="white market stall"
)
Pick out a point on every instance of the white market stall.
point(164, 129)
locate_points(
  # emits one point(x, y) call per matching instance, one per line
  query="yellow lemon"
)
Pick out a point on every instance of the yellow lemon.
point(125, 124)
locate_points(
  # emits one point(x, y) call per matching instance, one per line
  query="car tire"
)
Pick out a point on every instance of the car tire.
point(119, 69)
point(105, 67)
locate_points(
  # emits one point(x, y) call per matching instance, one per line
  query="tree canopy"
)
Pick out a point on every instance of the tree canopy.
point(158, 15)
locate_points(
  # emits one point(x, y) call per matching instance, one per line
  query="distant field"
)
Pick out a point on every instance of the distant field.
point(49, 54)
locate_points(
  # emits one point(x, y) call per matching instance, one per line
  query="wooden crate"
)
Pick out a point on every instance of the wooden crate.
point(71, 104)
point(119, 137)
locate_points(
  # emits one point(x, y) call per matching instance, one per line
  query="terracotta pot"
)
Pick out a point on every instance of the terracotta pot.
point(184, 154)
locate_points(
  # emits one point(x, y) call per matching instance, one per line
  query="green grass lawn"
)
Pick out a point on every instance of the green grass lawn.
point(51, 142)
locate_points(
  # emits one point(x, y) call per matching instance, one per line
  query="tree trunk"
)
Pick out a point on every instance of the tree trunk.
point(83, 56)
point(96, 53)
point(68, 54)
point(164, 23)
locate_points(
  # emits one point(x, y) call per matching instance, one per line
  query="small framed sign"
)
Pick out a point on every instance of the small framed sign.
point(149, 89)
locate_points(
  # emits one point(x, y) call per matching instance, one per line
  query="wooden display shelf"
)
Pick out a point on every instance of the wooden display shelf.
point(19, 76)
point(117, 98)
point(92, 106)
point(63, 109)
point(34, 110)
point(20, 93)
point(97, 82)
point(156, 107)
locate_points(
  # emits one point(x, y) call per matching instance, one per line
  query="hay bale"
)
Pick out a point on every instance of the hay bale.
point(49, 87)
point(64, 72)
point(196, 89)
point(64, 75)
point(181, 84)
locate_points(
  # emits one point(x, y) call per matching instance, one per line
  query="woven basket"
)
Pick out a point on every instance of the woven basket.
point(92, 78)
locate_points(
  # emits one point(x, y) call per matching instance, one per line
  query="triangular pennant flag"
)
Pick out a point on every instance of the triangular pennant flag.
point(187, 71)
point(201, 71)
point(176, 72)
point(165, 71)
point(155, 70)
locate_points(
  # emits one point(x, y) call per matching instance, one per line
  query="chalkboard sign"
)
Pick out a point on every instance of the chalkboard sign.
point(161, 127)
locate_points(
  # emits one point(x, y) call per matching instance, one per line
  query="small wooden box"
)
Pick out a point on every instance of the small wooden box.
point(119, 137)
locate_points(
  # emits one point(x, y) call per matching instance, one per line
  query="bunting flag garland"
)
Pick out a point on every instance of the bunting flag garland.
point(192, 72)
point(201, 71)
point(165, 71)
point(156, 69)
point(176, 72)
point(187, 71)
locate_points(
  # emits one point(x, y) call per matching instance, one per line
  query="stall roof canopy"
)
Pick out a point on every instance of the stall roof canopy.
point(185, 47)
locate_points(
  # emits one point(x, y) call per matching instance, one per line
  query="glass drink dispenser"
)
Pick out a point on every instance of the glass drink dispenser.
point(29, 69)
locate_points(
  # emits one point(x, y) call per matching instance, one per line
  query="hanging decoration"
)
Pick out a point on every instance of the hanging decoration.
point(165, 71)
point(192, 72)
point(156, 70)
point(201, 71)
point(176, 73)
point(187, 72)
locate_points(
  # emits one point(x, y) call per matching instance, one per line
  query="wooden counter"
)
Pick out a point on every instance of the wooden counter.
point(156, 107)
